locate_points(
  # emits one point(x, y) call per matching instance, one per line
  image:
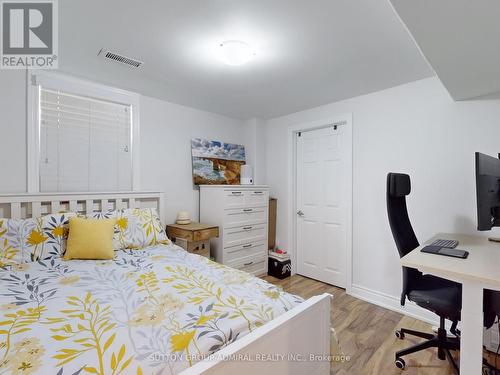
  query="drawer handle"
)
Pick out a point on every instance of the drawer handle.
point(247, 228)
point(247, 246)
point(236, 192)
point(248, 264)
point(258, 192)
point(248, 210)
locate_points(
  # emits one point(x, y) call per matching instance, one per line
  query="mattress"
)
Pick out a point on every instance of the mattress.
point(152, 311)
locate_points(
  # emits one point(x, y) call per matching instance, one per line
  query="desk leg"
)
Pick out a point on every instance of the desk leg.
point(471, 341)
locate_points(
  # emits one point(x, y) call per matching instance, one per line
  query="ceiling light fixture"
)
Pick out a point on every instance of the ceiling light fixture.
point(235, 52)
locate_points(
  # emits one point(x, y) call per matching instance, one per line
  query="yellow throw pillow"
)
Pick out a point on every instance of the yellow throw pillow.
point(90, 239)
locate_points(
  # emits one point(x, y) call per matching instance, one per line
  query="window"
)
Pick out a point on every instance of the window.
point(85, 144)
point(84, 137)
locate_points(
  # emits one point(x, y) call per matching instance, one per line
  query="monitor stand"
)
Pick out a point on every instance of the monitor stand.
point(494, 239)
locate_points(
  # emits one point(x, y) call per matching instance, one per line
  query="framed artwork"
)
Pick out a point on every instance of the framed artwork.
point(216, 163)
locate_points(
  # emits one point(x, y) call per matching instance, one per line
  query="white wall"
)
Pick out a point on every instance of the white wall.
point(255, 133)
point(166, 131)
point(415, 128)
point(12, 131)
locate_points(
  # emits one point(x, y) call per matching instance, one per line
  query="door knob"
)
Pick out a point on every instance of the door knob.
point(300, 213)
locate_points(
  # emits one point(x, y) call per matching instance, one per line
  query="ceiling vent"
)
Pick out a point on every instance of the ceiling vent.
point(119, 58)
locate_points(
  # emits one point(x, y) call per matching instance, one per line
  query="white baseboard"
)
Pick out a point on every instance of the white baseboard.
point(491, 337)
point(393, 303)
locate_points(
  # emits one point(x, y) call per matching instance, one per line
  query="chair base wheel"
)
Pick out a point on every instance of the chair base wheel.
point(400, 335)
point(400, 363)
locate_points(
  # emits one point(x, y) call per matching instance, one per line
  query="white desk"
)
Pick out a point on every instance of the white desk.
point(481, 270)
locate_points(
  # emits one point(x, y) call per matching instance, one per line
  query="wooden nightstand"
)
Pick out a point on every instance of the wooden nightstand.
point(194, 237)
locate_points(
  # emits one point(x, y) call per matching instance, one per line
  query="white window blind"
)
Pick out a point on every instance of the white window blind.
point(85, 144)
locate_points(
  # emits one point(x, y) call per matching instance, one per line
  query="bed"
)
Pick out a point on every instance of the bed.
point(157, 310)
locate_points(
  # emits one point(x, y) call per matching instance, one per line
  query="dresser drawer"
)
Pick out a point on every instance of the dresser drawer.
point(244, 234)
point(243, 216)
point(234, 198)
point(255, 265)
point(245, 198)
point(236, 254)
point(257, 197)
point(257, 269)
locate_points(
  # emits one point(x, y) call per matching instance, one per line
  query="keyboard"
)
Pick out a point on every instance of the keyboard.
point(450, 244)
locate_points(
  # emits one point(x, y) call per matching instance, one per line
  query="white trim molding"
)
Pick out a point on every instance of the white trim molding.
point(57, 81)
point(21, 206)
point(393, 303)
point(345, 120)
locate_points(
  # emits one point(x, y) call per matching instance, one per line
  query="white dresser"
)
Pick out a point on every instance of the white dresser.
point(241, 212)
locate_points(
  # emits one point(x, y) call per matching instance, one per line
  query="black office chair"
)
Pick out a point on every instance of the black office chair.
point(440, 296)
point(491, 307)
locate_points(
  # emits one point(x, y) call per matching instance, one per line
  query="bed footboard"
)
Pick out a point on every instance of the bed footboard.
point(297, 342)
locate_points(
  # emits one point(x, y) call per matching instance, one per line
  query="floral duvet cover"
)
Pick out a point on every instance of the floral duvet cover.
point(152, 311)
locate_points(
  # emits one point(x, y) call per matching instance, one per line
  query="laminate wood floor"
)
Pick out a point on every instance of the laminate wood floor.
point(366, 333)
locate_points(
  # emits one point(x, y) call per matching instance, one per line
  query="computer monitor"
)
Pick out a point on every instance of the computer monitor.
point(487, 191)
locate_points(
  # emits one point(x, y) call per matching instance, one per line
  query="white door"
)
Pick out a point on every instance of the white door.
point(322, 206)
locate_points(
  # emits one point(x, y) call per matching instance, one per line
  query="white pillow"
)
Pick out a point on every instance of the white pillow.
point(25, 240)
point(135, 228)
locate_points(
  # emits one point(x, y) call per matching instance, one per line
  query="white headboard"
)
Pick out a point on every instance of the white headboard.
point(20, 206)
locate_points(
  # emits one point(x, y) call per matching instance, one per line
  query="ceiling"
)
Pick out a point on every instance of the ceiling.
point(308, 52)
point(460, 39)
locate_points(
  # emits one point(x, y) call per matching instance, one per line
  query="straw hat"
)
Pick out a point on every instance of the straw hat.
point(183, 217)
